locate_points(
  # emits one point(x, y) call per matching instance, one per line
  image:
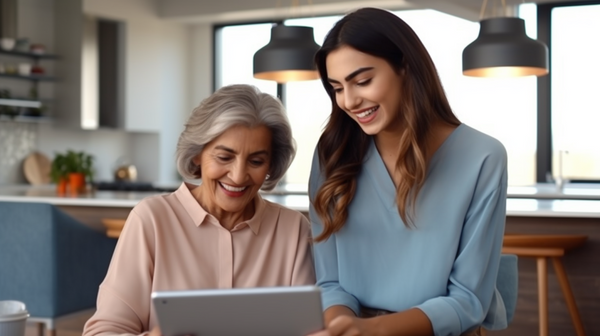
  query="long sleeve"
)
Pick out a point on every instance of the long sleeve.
point(472, 280)
point(123, 304)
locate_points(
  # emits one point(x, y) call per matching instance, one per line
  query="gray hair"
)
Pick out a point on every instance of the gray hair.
point(230, 106)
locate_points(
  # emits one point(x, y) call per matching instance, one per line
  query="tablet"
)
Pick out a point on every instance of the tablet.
point(266, 311)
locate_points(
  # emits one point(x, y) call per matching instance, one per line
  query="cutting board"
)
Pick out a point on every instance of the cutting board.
point(36, 168)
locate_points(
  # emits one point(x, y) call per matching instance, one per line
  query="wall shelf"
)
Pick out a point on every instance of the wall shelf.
point(32, 77)
point(25, 119)
point(27, 54)
point(20, 103)
point(33, 109)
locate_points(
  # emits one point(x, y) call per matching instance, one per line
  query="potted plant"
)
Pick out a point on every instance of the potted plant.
point(59, 173)
point(72, 168)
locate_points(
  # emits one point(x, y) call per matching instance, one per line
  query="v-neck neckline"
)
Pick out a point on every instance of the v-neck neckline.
point(386, 185)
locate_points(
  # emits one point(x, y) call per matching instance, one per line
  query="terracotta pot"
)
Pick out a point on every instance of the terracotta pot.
point(61, 186)
point(76, 183)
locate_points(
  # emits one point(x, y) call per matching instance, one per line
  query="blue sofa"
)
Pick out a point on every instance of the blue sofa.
point(50, 261)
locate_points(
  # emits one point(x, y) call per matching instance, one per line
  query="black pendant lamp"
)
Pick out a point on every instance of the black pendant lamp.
point(289, 56)
point(503, 49)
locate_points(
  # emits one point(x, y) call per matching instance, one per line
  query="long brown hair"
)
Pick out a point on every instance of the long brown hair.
point(343, 145)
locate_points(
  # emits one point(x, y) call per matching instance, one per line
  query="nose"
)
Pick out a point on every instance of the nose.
point(239, 172)
point(350, 100)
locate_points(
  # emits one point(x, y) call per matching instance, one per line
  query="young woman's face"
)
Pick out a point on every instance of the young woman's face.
point(366, 87)
point(234, 167)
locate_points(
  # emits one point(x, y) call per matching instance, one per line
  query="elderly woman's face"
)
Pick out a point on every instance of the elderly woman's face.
point(234, 167)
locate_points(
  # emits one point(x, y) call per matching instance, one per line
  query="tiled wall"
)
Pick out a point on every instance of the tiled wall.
point(17, 140)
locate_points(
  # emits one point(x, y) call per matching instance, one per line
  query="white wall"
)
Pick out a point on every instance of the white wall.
point(201, 63)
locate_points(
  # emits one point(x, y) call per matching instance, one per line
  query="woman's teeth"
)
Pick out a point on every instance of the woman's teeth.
point(367, 112)
point(230, 188)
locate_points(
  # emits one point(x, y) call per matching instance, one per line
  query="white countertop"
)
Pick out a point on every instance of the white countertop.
point(47, 194)
point(549, 190)
point(575, 200)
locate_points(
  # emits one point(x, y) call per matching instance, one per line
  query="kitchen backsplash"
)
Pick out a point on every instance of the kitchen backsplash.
point(17, 140)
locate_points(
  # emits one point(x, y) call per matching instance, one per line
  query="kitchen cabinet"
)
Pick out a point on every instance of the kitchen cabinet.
point(16, 102)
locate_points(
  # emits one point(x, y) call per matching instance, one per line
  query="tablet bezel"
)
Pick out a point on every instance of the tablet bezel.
point(262, 311)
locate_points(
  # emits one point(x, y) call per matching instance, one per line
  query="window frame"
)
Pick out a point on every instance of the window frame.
point(544, 91)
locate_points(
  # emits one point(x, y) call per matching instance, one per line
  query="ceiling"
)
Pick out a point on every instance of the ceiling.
point(218, 11)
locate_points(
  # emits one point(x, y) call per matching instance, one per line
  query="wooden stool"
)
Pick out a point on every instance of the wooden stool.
point(113, 226)
point(542, 247)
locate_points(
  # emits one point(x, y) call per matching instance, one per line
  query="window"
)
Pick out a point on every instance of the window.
point(235, 48)
point(489, 105)
point(502, 108)
point(308, 107)
point(574, 86)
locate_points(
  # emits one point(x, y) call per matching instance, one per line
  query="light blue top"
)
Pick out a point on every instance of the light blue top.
point(447, 264)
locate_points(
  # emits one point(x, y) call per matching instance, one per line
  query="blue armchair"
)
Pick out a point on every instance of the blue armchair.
point(507, 283)
point(50, 261)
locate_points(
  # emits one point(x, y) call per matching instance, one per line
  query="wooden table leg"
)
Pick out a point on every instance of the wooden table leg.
point(542, 274)
point(40, 328)
point(566, 289)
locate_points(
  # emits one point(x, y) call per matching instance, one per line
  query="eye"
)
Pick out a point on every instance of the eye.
point(337, 89)
point(223, 158)
point(364, 82)
point(257, 162)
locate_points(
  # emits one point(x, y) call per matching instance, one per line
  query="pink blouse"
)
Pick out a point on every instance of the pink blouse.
point(170, 242)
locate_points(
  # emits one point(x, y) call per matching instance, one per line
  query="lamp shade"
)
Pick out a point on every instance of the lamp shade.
point(289, 56)
point(503, 49)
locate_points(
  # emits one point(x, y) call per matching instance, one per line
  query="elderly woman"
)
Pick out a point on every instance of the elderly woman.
point(219, 234)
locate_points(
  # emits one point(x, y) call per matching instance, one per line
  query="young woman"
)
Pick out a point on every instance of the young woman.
point(407, 203)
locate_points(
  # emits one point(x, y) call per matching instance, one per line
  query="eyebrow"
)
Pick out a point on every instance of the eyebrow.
point(352, 75)
point(229, 150)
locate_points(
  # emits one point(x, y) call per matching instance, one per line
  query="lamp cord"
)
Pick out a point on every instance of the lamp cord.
point(482, 12)
point(484, 5)
point(294, 9)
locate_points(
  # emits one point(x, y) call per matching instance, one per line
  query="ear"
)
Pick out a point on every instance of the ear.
point(197, 160)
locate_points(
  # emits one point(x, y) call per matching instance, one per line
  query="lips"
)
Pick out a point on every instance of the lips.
point(231, 190)
point(367, 112)
point(367, 115)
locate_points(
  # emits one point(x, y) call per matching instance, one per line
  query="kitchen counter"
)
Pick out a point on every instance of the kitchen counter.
point(589, 191)
point(543, 200)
